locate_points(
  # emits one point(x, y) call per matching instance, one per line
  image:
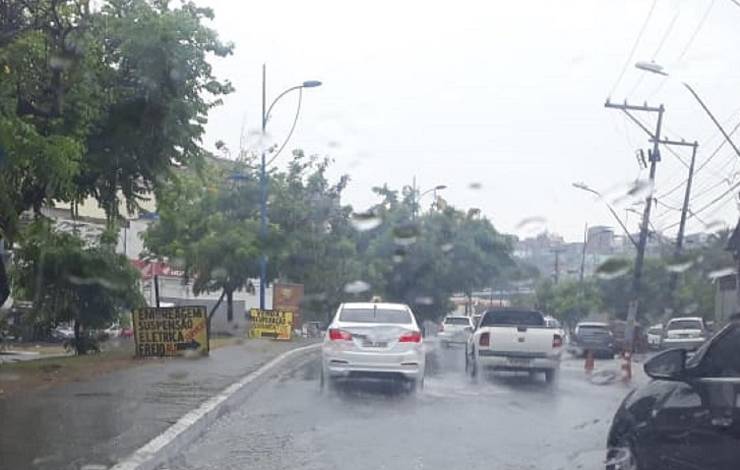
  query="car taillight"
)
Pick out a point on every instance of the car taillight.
point(410, 337)
point(335, 334)
point(484, 340)
point(557, 341)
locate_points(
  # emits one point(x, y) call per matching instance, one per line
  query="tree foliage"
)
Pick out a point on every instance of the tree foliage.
point(70, 282)
point(100, 102)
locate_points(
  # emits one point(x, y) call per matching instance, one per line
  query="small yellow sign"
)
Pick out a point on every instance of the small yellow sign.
point(276, 324)
point(171, 331)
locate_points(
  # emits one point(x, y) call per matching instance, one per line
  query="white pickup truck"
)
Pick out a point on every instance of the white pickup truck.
point(514, 340)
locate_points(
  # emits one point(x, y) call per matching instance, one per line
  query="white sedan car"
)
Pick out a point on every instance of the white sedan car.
point(455, 329)
point(373, 340)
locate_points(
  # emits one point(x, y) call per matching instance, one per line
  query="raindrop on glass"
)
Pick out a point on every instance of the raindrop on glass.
point(398, 255)
point(475, 185)
point(367, 220)
point(679, 266)
point(424, 300)
point(405, 234)
point(613, 268)
point(447, 247)
point(356, 287)
point(721, 273)
point(532, 225)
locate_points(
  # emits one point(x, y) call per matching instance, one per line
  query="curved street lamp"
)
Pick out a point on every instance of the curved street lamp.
point(585, 187)
point(434, 190)
point(266, 111)
point(657, 69)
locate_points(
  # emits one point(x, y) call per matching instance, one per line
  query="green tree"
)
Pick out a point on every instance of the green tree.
point(70, 282)
point(208, 224)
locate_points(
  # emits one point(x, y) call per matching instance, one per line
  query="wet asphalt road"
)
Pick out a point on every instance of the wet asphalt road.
point(505, 421)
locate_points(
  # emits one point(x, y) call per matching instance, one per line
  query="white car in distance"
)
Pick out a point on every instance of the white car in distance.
point(685, 333)
point(514, 340)
point(375, 340)
point(455, 329)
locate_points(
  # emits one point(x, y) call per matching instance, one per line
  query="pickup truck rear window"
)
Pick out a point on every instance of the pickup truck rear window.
point(457, 321)
point(377, 315)
point(684, 325)
point(513, 318)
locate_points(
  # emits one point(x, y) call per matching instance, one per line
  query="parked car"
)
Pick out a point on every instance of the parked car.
point(380, 340)
point(685, 332)
point(516, 340)
point(688, 416)
point(596, 337)
point(455, 329)
point(62, 333)
point(654, 336)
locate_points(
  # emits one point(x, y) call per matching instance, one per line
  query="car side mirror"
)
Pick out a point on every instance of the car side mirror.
point(668, 365)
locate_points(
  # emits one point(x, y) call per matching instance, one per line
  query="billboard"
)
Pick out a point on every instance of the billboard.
point(170, 331)
point(287, 297)
point(275, 324)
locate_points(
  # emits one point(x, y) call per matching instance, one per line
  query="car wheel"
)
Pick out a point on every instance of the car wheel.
point(622, 458)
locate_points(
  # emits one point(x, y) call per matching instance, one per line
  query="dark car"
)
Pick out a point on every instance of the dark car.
point(595, 337)
point(688, 416)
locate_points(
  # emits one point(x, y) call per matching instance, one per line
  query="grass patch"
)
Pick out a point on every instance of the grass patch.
point(39, 374)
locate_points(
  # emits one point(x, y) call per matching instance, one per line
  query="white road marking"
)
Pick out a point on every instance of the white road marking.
point(145, 457)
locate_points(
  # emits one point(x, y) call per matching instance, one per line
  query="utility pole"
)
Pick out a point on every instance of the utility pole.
point(654, 158)
point(557, 252)
point(684, 210)
point(582, 270)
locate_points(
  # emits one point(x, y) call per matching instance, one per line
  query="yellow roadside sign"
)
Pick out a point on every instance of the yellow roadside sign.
point(276, 324)
point(171, 331)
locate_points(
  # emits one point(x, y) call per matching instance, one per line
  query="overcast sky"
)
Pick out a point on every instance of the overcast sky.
point(508, 95)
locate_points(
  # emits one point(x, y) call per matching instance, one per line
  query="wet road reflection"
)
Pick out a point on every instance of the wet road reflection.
point(505, 420)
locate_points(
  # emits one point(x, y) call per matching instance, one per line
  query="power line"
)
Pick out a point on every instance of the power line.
point(710, 204)
point(634, 47)
point(665, 36)
point(696, 31)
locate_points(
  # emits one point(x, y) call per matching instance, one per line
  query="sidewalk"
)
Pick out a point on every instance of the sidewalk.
point(103, 420)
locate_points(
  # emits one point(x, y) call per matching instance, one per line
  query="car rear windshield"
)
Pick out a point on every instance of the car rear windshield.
point(375, 315)
point(514, 318)
point(684, 325)
point(593, 329)
point(457, 321)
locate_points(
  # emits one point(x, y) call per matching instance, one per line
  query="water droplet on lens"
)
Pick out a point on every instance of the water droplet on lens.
point(679, 265)
point(405, 234)
point(613, 268)
point(356, 287)
point(367, 220)
point(721, 273)
point(447, 247)
point(475, 185)
point(637, 192)
point(532, 225)
point(424, 300)
point(691, 309)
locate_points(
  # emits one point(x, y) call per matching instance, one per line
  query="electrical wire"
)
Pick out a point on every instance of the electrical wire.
point(710, 204)
point(634, 47)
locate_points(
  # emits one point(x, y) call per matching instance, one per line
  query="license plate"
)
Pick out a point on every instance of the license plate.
point(519, 362)
point(379, 344)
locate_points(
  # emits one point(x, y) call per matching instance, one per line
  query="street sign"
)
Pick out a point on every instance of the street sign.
point(270, 324)
point(171, 331)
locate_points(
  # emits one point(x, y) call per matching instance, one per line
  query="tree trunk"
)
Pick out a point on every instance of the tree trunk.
point(213, 311)
point(4, 283)
point(79, 346)
point(230, 306)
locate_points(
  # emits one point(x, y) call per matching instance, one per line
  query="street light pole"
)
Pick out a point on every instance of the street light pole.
point(263, 169)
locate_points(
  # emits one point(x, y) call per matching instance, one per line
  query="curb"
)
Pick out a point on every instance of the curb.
point(194, 423)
